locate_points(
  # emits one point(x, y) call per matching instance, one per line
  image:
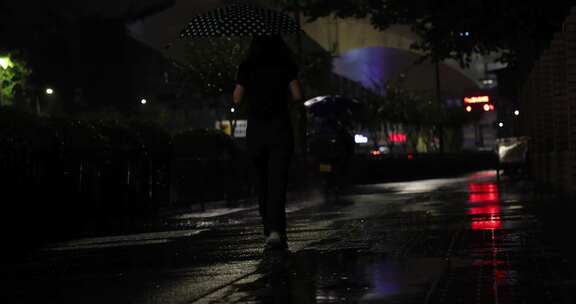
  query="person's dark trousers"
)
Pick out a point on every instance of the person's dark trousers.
point(271, 148)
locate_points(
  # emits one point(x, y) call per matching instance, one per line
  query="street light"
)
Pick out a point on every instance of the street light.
point(143, 101)
point(49, 91)
point(232, 110)
point(516, 113)
point(501, 125)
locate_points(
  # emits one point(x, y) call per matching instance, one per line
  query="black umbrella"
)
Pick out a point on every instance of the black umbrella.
point(240, 19)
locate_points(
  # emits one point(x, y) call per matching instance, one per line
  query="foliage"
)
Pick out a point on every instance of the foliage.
point(13, 78)
point(454, 29)
point(212, 64)
point(415, 113)
point(315, 72)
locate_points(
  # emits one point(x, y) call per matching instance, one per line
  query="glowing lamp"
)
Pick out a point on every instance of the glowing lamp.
point(49, 91)
point(469, 109)
point(477, 99)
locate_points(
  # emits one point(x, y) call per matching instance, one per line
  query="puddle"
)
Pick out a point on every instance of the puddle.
point(343, 276)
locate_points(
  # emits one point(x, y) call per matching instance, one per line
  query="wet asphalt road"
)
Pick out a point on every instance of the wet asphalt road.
point(457, 240)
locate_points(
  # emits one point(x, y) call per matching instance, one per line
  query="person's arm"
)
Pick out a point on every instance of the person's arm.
point(238, 94)
point(296, 91)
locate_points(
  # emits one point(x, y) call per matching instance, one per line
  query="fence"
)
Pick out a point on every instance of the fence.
point(62, 178)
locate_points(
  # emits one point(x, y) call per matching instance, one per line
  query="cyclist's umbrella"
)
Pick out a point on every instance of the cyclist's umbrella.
point(240, 19)
point(333, 105)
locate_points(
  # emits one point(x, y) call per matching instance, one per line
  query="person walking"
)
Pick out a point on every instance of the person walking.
point(268, 81)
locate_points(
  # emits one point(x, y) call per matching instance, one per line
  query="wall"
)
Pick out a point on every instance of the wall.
point(548, 111)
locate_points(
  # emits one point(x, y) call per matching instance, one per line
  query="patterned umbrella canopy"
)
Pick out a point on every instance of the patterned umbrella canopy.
point(240, 19)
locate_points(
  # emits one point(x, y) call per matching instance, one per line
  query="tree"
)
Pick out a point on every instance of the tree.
point(387, 112)
point(457, 29)
point(14, 73)
point(400, 110)
point(211, 67)
point(212, 64)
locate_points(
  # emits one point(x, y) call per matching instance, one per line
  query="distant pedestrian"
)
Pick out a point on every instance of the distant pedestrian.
point(268, 82)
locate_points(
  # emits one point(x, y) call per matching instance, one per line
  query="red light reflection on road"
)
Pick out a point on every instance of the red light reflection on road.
point(484, 199)
point(485, 210)
point(491, 222)
point(483, 188)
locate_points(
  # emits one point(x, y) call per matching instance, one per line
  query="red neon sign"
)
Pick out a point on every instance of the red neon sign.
point(397, 137)
point(477, 99)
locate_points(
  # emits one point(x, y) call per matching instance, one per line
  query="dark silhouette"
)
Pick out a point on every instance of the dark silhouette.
point(331, 143)
point(267, 81)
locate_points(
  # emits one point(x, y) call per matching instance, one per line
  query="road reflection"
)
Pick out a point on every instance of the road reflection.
point(313, 277)
point(484, 201)
point(486, 221)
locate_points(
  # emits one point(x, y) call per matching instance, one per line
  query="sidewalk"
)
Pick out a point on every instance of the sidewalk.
point(510, 246)
point(450, 240)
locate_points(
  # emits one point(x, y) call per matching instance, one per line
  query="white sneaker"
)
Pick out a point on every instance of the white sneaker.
point(273, 238)
point(275, 241)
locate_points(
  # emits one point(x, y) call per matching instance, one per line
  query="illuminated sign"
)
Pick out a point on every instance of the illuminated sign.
point(397, 137)
point(477, 99)
point(360, 139)
point(239, 131)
